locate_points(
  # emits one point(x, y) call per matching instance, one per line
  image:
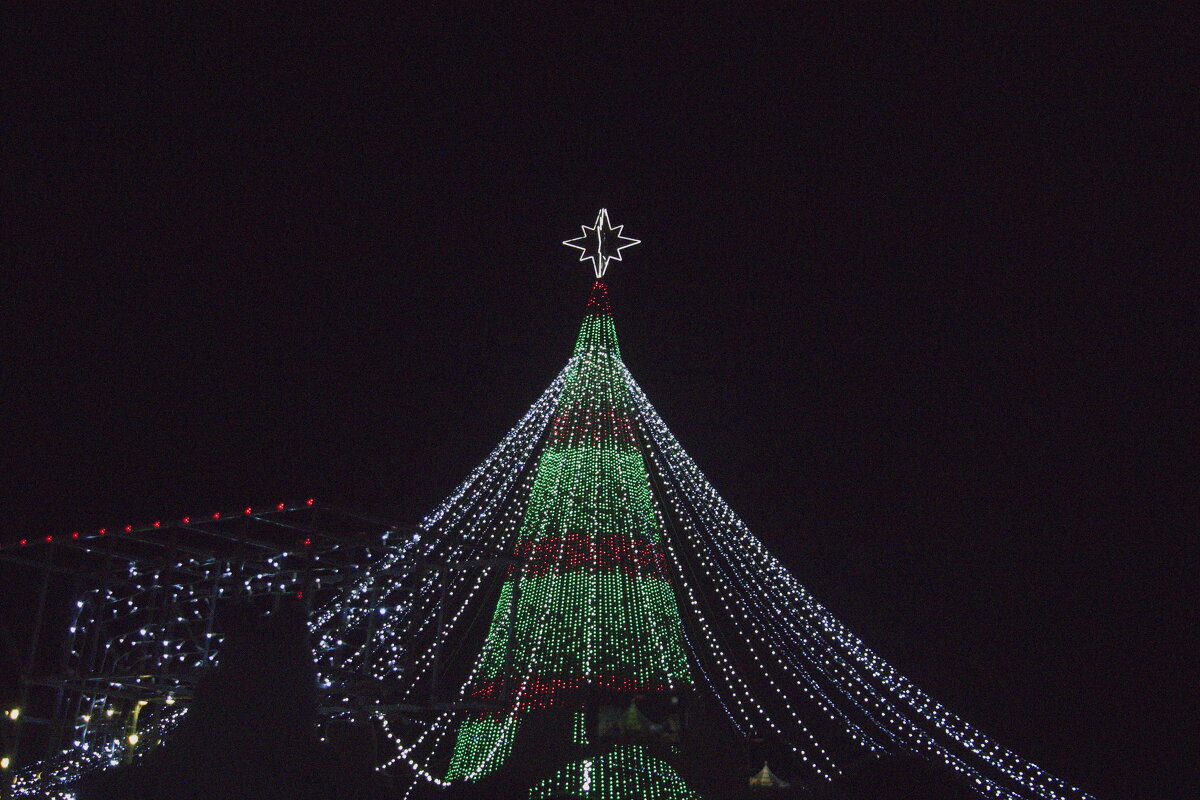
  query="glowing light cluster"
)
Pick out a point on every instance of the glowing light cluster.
point(54, 779)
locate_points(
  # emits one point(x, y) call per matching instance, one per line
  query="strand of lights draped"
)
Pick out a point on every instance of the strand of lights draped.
point(477, 518)
point(772, 599)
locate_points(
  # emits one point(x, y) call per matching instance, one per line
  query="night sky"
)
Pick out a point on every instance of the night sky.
point(904, 293)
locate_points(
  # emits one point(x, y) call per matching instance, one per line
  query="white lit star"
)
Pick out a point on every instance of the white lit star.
point(601, 243)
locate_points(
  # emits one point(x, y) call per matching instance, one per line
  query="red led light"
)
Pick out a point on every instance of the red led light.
point(49, 538)
point(308, 542)
point(279, 507)
point(23, 542)
point(553, 555)
point(75, 535)
point(103, 531)
point(540, 692)
point(129, 529)
point(308, 502)
point(186, 520)
point(578, 424)
point(598, 302)
point(248, 509)
point(157, 524)
point(216, 515)
point(299, 595)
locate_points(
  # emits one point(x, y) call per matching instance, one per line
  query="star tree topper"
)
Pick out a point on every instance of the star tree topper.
point(601, 243)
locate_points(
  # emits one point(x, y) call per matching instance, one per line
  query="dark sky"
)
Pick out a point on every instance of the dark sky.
point(905, 294)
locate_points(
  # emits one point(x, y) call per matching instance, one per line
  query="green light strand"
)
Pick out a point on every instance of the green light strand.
point(595, 608)
point(623, 773)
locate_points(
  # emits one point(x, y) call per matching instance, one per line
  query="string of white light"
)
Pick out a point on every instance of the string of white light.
point(782, 602)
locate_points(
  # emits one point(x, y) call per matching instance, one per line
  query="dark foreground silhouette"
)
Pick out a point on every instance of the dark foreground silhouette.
point(250, 730)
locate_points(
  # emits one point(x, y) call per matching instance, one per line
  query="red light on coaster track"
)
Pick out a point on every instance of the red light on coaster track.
point(308, 542)
point(248, 510)
point(299, 595)
point(308, 502)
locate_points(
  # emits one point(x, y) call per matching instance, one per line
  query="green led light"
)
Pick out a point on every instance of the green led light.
point(595, 607)
point(623, 773)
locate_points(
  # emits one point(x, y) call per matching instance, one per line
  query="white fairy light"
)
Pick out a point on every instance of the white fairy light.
point(601, 243)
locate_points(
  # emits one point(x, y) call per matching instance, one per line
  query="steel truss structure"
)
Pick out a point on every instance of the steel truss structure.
point(142, 618)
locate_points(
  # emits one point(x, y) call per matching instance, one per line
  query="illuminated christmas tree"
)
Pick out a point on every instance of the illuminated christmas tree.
point(612, 578)
point(595, 609)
